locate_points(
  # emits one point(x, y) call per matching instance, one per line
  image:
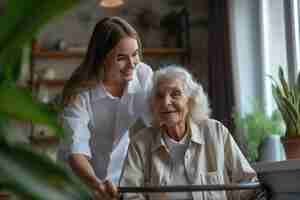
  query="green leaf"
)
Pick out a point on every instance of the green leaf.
point(299, 107)
point(288, 102)
point(281, 106)
point(11, 65)
point(19, 25)
point(283, 82)
point(290, 109)
point(19, 104)
point(35, 176)
point(3, 122)
point(29, 175)
point(277, 94)
point(257, 126)
point(298, 83)
point(24, 19)
point(288, 112)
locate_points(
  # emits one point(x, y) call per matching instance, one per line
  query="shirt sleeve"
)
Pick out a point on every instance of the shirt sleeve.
point(144, 74)
point(75, 120)
point(237, 166)
point(133, 174)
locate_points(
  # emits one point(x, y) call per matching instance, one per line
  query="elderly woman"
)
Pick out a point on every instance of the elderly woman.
point(183, 146)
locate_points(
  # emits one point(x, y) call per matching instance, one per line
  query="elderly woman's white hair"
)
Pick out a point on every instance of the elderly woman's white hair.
point(199, 107)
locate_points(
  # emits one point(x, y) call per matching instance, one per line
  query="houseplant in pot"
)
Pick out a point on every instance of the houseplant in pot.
point(281, 178)
point(287, 98)
point(258, 127)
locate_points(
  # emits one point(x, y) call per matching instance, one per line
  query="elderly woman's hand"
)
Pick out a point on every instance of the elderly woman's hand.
point(106, 191)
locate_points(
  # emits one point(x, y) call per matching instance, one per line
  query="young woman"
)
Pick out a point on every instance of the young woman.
point(104, 96)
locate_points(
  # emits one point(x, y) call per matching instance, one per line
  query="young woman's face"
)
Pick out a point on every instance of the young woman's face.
point(120, 62)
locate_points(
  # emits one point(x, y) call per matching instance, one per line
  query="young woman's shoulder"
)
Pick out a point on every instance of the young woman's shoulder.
point(144, 71)
point(143, 68)
point(79, 100)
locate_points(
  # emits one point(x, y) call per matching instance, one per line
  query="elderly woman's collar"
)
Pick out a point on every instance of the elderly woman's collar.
point(193, 129)
point(196, 133)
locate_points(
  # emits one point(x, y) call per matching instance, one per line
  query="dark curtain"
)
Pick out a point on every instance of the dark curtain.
point(220, 88)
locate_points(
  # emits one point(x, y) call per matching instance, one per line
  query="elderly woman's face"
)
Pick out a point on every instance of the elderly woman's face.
point(170, 104)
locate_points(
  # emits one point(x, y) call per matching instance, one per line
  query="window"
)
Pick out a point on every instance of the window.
point(264, 36)
point(274, 46)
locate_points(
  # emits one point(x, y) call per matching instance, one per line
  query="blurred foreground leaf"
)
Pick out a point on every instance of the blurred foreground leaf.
point(22, 21)
point(35, 176)
point(25, 173)
point(19, 104)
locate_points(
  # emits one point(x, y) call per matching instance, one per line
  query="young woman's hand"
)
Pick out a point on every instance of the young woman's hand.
point(106, 191)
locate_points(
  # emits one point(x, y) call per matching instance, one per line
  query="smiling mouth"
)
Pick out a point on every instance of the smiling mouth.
point(168, 112)
point(127, 72)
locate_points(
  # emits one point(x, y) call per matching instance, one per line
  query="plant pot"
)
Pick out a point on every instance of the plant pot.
point(292, 147)
point(271, 149)
point(4, 196)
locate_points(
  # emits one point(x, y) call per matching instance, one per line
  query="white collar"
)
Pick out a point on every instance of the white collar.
point(100, 92)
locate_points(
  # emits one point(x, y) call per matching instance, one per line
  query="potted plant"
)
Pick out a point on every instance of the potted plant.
point(258, 127)
point(287, 98)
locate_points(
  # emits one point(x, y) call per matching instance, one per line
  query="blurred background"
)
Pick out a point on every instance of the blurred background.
point(232, 47)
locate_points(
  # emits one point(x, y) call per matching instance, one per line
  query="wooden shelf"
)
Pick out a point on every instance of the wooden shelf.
point(4, 196)
point(44, 140)
point(165, 51)
point(57, 54)
point(55, 83)
point(43, 53)
point(80, 53)
point(50, 83)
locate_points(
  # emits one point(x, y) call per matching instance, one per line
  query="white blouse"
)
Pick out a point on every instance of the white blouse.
point(97, 125)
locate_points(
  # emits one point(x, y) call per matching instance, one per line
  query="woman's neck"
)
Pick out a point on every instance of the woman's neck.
point(115, 89)
point(175, 132)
